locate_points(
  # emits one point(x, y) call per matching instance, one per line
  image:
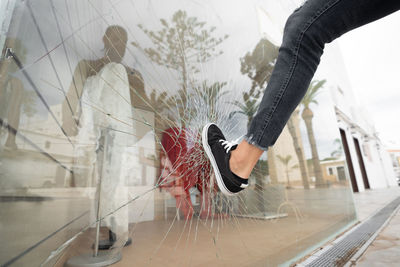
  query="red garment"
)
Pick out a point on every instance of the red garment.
point(184, 165)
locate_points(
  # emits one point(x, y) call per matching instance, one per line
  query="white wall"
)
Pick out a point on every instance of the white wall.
point(379, 169)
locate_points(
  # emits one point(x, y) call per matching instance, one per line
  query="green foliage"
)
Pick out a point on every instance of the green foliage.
point(338, 152)
point(258, 66)
point(329, 158)
point(161, 101)
point(284, 160)
point(182, 43)
point(247, 108)
point(313, 90)
point(262, 167)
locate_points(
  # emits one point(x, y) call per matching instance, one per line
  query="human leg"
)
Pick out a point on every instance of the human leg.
point(244, 158)
point(306, 32)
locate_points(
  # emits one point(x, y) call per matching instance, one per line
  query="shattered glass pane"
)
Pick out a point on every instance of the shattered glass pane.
point(102, 107)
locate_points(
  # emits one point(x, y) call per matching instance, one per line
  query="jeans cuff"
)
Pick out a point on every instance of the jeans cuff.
point(252, 141)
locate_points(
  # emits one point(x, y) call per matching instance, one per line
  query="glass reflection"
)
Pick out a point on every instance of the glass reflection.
point(103, 117)
point(12, 94)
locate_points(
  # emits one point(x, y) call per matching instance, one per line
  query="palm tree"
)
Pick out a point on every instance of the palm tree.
point(298, 149)
point(271, 165)
point(338, 152)
point(307, 115)
point(258, 66)
point(249, 108)
point(285, 161)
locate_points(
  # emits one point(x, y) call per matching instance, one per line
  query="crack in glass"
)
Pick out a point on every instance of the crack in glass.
point(117, 93)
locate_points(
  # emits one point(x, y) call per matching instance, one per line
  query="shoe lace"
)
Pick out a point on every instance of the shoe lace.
point(228, 145)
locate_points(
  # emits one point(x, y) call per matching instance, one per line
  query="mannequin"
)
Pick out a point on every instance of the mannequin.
point(114, 39)
point(95, 81)
point(101, 144)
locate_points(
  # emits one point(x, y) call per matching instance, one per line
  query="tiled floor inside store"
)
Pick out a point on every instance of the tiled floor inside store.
point(230, 241)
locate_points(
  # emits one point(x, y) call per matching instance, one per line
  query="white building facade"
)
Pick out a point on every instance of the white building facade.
point(369, 164)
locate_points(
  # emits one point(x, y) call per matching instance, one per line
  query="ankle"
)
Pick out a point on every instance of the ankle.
point(239, 166)
point(244, 158)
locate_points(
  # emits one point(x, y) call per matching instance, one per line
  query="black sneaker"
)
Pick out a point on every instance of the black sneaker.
point(219, 152)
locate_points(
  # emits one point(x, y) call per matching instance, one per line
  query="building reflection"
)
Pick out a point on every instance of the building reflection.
point(12, 93)
point(144, 79)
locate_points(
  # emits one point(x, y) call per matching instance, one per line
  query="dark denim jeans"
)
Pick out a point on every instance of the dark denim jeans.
point(306, 32)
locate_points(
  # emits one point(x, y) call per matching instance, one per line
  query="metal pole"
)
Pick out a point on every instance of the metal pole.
point(103, 258)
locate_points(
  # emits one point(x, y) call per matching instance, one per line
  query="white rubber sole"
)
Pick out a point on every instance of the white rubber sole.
point(210, 155)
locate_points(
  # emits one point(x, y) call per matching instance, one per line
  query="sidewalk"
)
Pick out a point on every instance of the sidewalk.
point(385, 249)
point(369, 202)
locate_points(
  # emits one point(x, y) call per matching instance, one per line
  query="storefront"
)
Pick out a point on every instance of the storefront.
point(102, 105)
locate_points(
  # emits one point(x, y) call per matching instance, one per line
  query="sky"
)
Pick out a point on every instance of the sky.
point(372, 58)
